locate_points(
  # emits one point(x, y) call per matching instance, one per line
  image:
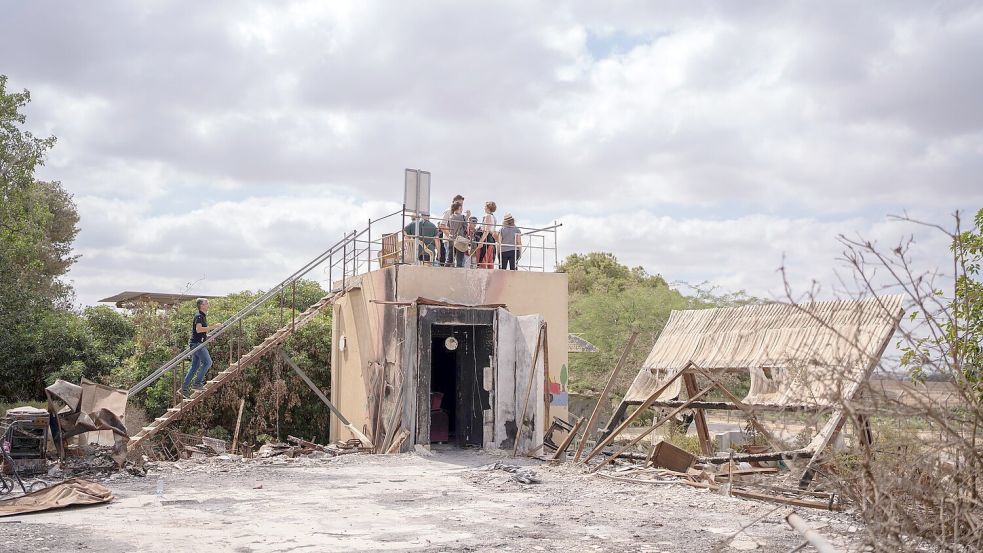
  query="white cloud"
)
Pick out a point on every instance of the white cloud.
point(723, 134)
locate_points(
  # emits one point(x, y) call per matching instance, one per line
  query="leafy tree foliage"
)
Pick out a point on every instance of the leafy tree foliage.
point(968, 305)
point(38, 223)
point(276, 400)
point(608, 300)
point(959, 339)
point(600, 271)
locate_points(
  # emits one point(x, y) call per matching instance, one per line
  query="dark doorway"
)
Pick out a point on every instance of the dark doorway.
point(459, 355)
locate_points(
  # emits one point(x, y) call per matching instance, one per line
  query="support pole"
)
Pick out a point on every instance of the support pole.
point(235, 435)
point(774, 442)
point(638, 412)
point(651, 428)
point(566, 441)
point(303, 376)
point(532, 378)
point(589, 429)
point(699, 416)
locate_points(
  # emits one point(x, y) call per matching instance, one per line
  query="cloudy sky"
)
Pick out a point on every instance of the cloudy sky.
point(224, 143)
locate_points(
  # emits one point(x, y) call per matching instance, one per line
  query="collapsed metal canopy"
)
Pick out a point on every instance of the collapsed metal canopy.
point(804, 354)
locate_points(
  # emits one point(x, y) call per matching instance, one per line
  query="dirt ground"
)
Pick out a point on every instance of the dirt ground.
point(451, 500)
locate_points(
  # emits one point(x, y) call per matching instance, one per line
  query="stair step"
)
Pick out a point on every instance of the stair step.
point(174, 410)
point(162, 419)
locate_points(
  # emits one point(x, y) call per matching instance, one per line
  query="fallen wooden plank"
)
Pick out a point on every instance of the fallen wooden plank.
point(810, 503)
point(754, 457)
point(589, 429)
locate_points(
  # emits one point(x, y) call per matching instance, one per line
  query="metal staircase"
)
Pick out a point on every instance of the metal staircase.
point(349, 257)
point(269, 344)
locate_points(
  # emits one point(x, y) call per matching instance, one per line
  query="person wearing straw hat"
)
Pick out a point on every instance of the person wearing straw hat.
point(511, 243)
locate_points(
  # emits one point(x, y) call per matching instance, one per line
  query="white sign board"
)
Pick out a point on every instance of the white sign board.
point(416, 193)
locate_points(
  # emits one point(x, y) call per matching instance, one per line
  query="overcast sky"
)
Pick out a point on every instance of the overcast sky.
point(225, 143)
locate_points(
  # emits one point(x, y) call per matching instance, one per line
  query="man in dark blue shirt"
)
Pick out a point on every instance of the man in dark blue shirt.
point(201, 361)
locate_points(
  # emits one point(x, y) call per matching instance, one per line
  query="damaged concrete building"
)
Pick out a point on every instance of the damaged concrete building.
point(462, 356)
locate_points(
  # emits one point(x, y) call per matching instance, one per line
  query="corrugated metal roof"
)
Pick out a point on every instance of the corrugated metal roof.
point(128, 298)
point(802, 354)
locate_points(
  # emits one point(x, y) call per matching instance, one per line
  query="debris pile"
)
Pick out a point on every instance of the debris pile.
point(522, 475)
point(300, 446)
point(731, 479)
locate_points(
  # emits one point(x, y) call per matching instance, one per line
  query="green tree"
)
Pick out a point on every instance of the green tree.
point(609, 299)
point(38, 223)
point(954, 351)
point(966, 330)
point(273, 395)
point(598, 271)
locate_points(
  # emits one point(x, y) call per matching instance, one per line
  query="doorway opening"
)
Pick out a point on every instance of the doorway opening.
point(460, 357)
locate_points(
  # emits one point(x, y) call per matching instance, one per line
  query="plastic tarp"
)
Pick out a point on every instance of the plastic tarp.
point(64, 494)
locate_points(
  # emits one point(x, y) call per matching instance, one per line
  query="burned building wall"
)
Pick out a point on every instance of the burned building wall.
point(375, 349)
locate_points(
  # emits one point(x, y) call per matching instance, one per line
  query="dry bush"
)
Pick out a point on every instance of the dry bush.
point(917, 485)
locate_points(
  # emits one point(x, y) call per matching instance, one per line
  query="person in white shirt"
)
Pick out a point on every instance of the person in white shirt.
point(488, 239)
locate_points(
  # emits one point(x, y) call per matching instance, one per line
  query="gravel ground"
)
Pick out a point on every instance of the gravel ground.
point(448, 501)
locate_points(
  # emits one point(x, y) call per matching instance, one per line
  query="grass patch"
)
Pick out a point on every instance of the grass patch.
point(4, 406)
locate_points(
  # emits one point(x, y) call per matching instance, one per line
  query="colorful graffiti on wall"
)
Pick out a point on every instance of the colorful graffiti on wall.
point(559, 393)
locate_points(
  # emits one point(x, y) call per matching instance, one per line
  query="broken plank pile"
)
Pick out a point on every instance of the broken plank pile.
point(300, 446)
point(738, 482)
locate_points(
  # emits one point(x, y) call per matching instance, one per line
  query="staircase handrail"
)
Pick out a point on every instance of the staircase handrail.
point(245, 311)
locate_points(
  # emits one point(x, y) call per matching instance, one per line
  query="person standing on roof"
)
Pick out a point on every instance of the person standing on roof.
point(446, 255)
point(458, 228)
point(511, 243)
point(489, 236)
point(426, 234)
point(201, 361)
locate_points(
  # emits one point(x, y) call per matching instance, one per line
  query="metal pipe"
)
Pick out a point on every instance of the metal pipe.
point(810, 534)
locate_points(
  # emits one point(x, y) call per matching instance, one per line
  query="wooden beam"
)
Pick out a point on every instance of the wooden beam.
point(532, 378)
point(649, 430)
point(702, 431)
point(774, 442)
point(235, 436)
point(753, 457)
point(589, 429)
point(627, 422)
point(812, 504)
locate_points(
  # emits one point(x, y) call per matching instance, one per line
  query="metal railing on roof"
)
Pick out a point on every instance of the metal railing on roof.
point(382, 244)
